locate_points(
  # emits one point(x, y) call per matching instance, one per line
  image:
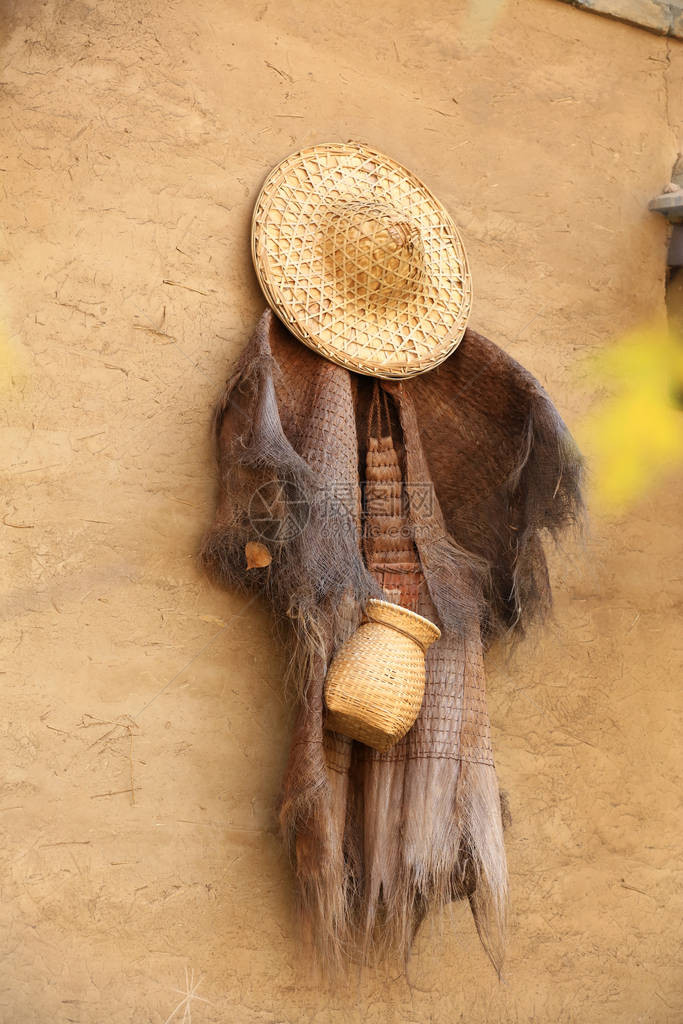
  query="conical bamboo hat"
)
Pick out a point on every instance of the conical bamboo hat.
point(360, 261)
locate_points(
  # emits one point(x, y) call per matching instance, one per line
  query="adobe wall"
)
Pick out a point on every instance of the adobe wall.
point(134, 136)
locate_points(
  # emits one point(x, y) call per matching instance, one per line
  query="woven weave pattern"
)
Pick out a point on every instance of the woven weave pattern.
point(375, 684)
point(361, 261)
point(388, 546)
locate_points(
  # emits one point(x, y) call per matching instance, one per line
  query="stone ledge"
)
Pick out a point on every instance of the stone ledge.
point(666, 19)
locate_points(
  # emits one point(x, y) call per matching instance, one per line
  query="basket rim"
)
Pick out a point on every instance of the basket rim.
point(376, 602)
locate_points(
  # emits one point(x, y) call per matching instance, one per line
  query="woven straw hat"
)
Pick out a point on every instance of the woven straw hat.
point(360, 261)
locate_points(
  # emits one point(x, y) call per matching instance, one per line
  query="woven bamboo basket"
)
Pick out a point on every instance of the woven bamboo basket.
point(376, 682)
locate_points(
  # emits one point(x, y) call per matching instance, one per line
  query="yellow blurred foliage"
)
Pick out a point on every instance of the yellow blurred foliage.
point(636, 434)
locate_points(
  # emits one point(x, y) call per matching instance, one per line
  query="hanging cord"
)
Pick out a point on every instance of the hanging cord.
point(375, 413)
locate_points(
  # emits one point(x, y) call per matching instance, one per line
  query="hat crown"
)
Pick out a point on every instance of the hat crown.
point(370, 250)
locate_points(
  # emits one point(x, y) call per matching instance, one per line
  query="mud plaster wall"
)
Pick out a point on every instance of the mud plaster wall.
point(134, 136)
